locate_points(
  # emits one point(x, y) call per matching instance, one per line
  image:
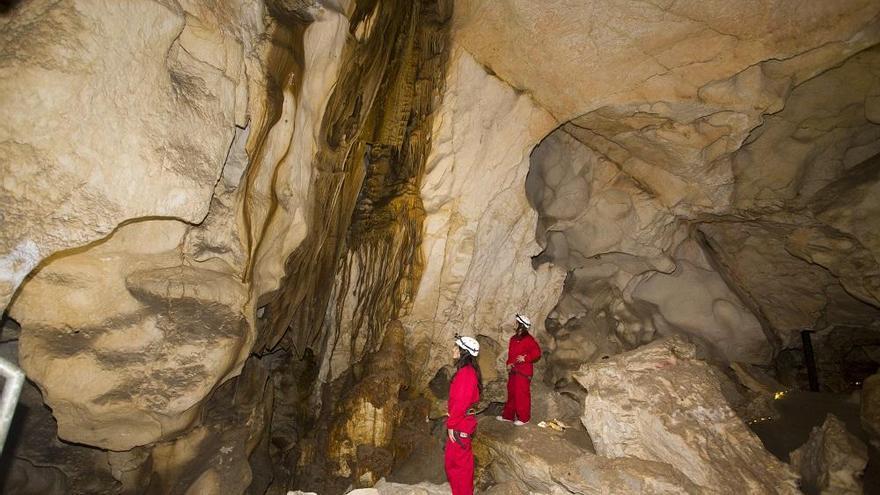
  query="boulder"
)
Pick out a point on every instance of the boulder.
point(832, 460)
point(660, 403)
point(387, 488)
point(531, 459)
point(133, 340)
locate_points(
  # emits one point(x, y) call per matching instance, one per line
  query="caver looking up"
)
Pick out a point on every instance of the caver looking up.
point(522, 351)
point(464, 393)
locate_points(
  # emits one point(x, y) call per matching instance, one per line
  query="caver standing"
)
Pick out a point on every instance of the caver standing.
point(522, 351)
point(464, 393)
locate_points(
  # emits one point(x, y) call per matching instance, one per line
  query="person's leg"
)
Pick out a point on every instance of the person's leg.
point(467, 470)
point(523, 399)
point(509, 412)
point(459, 461)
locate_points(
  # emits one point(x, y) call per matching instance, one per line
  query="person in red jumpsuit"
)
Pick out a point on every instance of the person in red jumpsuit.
point(522, 351)
point(464, 393)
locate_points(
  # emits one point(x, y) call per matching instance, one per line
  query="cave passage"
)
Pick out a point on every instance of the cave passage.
point(238, 241)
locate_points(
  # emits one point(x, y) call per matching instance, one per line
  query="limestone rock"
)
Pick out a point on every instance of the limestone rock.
point(822, 132)
point(832, 460)
point(524, 455)
point(848, 245)
point(624, 52)
point(634, 265)
point(660, 403)
point(595, 318)
point(37, 462)
point(588, 207)
point(367, 415)
point(505, 488)
point(228, 450)
point(757, 402)
point(755, 379)
point(110, 113)
point(133, 341)
point(127, 336)
point(672, 124)
point(479, 229)
point(791, 293)
point(696, 301)
point(387, 488)
point(530, 459)
point(622, 172)
point(590, 474)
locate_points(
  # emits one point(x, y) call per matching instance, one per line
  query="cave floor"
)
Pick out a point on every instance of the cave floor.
point(800, 412)
point(425, 463)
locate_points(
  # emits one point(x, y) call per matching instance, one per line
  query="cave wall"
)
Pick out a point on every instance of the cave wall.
point(479, 227)
point(169, 315)
point(117, 147)
point(153, 312)
point(628, 187)
point(216, 206)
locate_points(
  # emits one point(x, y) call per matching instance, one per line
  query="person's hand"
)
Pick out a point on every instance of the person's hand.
point(521, 358)
point(451, 434)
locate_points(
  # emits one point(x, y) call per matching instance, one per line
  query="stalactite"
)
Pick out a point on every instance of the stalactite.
point(301, 302)
point(360, 263)
point(366, 203)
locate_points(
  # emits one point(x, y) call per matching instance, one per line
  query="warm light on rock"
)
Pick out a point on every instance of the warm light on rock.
point(237, 238)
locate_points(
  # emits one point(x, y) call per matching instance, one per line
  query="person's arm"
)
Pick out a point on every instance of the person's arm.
point(534, 352)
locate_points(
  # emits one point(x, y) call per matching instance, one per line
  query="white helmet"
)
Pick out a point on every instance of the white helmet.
point(523, 320)
point(469, 344)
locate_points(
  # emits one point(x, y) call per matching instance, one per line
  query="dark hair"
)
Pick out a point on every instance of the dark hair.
point(465, 359)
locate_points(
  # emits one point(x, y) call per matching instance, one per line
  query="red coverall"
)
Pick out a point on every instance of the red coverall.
point(519, 395)
point(459, 458)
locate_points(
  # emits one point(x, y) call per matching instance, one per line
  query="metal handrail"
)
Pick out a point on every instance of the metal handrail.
point(11, 390)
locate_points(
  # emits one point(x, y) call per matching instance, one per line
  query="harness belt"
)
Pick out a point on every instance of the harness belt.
point(458, 435)
point(514, 372)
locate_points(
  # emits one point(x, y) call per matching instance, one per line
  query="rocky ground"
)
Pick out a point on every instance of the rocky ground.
point(214, 212)
point(708, 416)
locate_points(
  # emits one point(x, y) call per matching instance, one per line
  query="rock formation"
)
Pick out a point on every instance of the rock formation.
point(212, 211)
point(832, 460)
point(535, 460)
point(366, 416)
point(659, 403)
